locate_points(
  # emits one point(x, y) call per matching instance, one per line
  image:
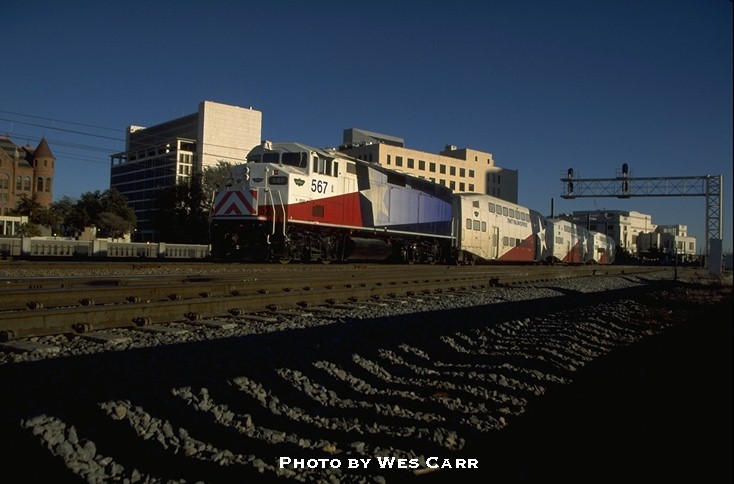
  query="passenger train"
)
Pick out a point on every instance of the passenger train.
point(293, 202)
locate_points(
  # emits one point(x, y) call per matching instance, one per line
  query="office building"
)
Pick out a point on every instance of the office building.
point(171, 152)
point(460, 169)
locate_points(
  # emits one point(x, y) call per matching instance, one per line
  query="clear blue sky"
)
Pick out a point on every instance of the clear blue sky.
point(542, 85)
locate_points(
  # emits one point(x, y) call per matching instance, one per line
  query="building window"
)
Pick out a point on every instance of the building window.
point(389, 159)
point(462, 172)
point(398, 161)
point(442, 169)
point(461, 187)
point(39, 184)
point(432, 167)
point(27, 184)
point(471, 187)
point(452, 185)
point(471, 173)
point(421, 165)
point(19, 183)
point(411, 163)
point(48, 185)
point(452, 171)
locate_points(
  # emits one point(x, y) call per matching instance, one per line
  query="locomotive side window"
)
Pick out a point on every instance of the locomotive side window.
point(294, 159)
point(505, 241)
point(351, 168)
point(322, 166)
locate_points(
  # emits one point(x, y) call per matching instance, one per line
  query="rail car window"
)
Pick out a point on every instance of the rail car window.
point(518, 242)
point(271, 157)
point(505, 241)
point(468, 224)
point(476, 225)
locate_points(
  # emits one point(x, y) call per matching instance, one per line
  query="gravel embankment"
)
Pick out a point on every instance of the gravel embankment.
point(528, 381)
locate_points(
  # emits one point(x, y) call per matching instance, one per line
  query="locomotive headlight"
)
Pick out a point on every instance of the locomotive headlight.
point(247, 173)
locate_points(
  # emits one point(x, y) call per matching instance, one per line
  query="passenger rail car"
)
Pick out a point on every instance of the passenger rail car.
point(492, 229)
point(293, 202)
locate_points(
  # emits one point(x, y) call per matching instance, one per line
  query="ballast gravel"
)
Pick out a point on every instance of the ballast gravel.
point(408, 378)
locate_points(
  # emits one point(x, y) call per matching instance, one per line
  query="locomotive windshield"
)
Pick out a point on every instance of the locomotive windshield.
point(298, 159)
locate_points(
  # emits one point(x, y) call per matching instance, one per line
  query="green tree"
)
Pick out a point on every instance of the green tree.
point(27, 206)
point(181, 214)
point(214, 179)
point(89, 209)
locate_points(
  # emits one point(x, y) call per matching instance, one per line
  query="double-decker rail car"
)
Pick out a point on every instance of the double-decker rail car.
point(492, 229)
point(568, 243)
point(294, 202)
point(603, 248)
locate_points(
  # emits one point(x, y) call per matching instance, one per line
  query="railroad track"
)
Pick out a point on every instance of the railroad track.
point(439, 384)
point(37, 306)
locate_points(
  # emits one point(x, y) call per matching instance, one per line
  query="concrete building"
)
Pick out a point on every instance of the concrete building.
point(669, 240)
point(25, 171)
point(162, 155)
point(460, 169)
point(623, 226)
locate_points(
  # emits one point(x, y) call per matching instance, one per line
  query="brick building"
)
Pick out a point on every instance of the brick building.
point(25, 171)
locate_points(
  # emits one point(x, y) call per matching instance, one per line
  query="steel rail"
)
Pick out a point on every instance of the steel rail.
point(37, 321)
